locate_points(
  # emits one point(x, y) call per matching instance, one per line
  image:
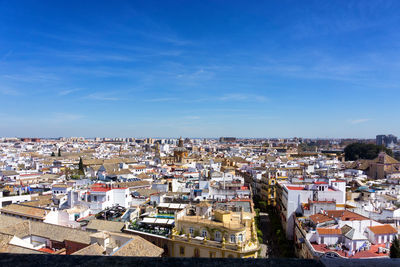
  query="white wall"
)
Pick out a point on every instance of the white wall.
point(15, 199)
point(328, 239)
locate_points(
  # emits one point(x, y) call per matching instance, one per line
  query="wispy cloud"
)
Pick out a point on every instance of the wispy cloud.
point(237, 97)
point(9, 91)
point(102, 97)
point(165, 38)
point(52, 118)
point(162, 99)
point(191, 117)
point(6, 55)
point(358, 121)
point(31, 76)
point(67, 92)
point(243, 97)
point(60, 117)
point(200, 74)
point(96, 57)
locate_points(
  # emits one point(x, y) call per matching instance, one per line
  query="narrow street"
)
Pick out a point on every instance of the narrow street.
point(267, 246)
point(270, 239)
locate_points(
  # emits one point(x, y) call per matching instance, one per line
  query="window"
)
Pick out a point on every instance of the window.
point(191, 231)
point(233, 239)
point(212, 254)
point(240, 238)
point(95, 198)
point(217, 236)
point(182, 250)
point(204, 233)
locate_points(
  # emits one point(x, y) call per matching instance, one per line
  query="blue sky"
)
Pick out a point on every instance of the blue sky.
point(199, 68)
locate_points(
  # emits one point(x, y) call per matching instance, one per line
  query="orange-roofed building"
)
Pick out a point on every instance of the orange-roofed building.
point(329, 231)
point(320, 218)
point(381, 234)
point(328, 236)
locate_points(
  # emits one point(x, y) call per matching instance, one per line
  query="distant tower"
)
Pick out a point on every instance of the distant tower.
point(157, 150)
point(180, 152)
point(180, 143)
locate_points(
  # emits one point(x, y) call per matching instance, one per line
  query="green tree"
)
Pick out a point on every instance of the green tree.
point(81, 168)
point(357, 151)
point(395, 248)
point(262, 205)
point(53, 154)
point(59, 152)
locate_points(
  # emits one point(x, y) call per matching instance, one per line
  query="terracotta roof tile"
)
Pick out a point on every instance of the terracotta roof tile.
point(383, 229)
point(320, 218)
point(92, 250)
point(27, 211)
point(329, 231)
point(138, 247)
point(346, 215)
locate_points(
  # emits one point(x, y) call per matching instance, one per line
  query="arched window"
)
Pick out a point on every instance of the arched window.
point(218, 236)
point(191, 231)
point(240, 238)
point(204, 233)
point(233, 239)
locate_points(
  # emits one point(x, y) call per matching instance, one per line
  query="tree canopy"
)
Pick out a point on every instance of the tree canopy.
point(81, 168)
point(357, 151)
point(395, 248)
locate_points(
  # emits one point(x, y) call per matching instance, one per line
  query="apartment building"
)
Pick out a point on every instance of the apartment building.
point(215, 231)
point(291, 197)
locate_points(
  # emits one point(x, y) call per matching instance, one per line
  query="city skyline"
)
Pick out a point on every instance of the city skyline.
point(208, 69)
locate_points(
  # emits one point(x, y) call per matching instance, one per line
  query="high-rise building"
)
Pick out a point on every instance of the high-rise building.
point(386, 140)
point(380, 139)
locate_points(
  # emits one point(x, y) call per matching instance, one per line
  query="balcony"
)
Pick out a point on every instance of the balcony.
point(240, 247)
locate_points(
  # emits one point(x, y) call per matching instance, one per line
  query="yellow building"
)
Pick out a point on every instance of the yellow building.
point(180, 153)
point(201, 231)
point(267, 187)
